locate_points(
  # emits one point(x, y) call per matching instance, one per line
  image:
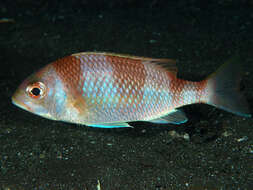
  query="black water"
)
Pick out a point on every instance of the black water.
point(36, 153)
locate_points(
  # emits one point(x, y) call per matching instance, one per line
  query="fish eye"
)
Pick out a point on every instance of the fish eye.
point(36, 90)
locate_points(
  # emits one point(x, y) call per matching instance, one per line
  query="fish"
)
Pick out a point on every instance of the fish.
point(7, 20)
point(109, 90)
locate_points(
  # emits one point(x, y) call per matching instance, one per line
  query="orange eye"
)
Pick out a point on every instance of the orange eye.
point(36, 90)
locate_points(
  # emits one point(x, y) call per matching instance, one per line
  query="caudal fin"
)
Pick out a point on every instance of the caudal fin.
point(224, 89)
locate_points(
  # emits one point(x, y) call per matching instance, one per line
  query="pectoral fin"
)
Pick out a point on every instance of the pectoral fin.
point(175, 117)
point(110, 125)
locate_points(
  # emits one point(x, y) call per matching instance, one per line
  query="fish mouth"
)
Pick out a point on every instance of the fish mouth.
point(37, 110)
point(20, 104)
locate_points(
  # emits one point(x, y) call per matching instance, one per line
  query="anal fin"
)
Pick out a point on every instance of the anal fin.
point(174, 117)
point(109, 125)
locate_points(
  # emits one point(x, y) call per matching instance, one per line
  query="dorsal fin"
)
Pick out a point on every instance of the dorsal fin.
point(167, 64)
point(164, 64)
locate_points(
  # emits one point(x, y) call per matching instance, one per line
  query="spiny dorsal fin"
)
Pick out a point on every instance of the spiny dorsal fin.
point(167, 64)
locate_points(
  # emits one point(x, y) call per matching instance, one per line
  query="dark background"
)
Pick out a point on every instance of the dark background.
point(36, 153)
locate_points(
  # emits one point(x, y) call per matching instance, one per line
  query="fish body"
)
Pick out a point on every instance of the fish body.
point(108, 90)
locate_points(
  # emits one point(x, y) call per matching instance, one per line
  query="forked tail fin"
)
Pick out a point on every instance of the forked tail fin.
point(224, 89)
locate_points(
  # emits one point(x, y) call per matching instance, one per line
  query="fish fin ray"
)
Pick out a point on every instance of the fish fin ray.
point(174, 117)
point(168, 64)
point(224, 87)
point(110, 125)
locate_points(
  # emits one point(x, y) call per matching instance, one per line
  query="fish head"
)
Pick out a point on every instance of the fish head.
point(37, 94)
